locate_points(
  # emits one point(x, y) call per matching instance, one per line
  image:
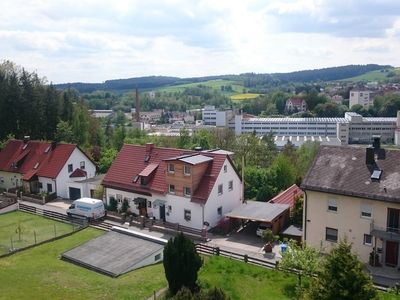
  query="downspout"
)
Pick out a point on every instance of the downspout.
point(305, 216)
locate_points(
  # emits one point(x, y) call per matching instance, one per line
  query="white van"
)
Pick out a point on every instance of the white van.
point(92, 209)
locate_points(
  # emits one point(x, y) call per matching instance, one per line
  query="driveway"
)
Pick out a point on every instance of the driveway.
point(244, 241)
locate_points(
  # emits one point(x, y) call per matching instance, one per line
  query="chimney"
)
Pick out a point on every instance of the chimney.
point(137, 106)
point(149, 147)
point(53, 145)
point(370, 156)
point(26, 139)
point(376, 143)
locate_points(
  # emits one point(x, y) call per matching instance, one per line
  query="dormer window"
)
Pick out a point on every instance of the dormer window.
point(187, 170)
point(171, 168)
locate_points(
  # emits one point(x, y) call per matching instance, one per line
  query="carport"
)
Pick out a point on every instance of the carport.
point(277, 215)
point(117, 252)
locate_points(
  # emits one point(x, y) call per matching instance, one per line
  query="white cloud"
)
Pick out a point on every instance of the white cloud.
point(93, 41)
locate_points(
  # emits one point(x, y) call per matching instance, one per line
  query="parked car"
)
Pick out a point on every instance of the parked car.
point(92, 209)
point(262, 227)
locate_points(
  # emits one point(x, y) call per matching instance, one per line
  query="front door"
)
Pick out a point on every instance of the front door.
point(143, 208)
point(392, 252)
point(162, 212)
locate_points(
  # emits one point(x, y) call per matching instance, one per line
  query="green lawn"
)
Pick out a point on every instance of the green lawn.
point(21, 227)
point(246, 281)
point(38, 273)
point(214, 84)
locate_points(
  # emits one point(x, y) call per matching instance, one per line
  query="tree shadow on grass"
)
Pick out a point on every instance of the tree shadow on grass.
point(289, 290)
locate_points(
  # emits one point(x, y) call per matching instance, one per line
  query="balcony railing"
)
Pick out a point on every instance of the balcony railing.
point(385, 233)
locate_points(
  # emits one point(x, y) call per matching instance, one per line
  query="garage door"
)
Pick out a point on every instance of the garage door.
point(74, 193)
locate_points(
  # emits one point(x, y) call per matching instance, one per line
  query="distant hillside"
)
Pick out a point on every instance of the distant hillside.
point(248, 80)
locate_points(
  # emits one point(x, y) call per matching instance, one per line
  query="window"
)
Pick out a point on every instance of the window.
point(220, 189)
point(186, 170)
point(172, 189)
point(171, 168)
point(219, 210)
point(149, 204)
point(187, 214)
point(82, 165)
point(368, 239)
point(230, 185)
point(366, 211)
point(70, 168)
point(332, 205)
point(331, 234)
point(119, 198)
point(169, 207)
point(225, 168)
point(157, 257)
point(49, 188)
point(187, 191)
point(40, 185)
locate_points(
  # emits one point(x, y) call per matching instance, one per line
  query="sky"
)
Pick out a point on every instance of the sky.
point(97, 40)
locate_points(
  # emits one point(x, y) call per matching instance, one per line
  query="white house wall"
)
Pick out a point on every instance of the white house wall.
point(45, 181)
point(63, 178)
point(9, 180)
point(228, 200)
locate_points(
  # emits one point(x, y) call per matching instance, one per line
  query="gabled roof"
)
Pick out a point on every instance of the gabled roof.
point(288, 196)
point(35, 158)
point(343, 170)
point(78, 173)
point(130, 162)
point(296, 101)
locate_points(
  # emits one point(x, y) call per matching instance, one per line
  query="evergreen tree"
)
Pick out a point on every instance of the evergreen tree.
point(181, 263)
point(342, 277)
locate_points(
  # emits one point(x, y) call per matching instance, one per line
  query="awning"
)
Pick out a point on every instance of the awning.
point(258, 211)
point(139, 200)
point(159, 202)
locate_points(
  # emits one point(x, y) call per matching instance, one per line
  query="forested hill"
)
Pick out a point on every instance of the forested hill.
point(249, 80)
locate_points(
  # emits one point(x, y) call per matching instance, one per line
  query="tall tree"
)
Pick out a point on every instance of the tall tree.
point(342, 276)
point(181, 263)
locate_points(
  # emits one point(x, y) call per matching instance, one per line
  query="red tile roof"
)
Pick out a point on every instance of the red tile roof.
point(296, 101)
point(288, 196)
point(31, 158)
point(130, 162)
point(78, 173)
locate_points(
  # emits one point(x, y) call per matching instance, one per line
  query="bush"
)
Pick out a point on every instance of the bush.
point(113, 204)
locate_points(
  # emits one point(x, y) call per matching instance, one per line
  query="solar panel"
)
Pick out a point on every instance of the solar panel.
point(376, 174)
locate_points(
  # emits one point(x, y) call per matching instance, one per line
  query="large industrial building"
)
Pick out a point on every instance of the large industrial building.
point(353, 128)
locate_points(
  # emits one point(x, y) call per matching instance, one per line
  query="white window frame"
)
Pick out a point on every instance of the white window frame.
point(185, 169)
point(366, 211)
point(187, 214)
point(364, 239)
point(82, 165)
point(332, 203)
point(230, 185)
point(172, 191)
point(171, 168)
point(225, 168)
point(220, 186)
point(185, 191)
point(118, 197)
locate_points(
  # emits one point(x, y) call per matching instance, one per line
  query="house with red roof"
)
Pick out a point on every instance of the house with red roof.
point(296, 104)
point(192, 188)
point(39, 166)
point(288, 196)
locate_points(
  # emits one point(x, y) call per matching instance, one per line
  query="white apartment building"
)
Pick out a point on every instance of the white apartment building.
point(214, 117)
point(360, 97)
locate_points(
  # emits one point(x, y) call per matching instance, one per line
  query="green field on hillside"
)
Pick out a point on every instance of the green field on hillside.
point(18, 230)
point(214, 84)
point(377, 75)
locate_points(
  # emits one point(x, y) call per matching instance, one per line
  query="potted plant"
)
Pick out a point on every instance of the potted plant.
point(269, 238)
